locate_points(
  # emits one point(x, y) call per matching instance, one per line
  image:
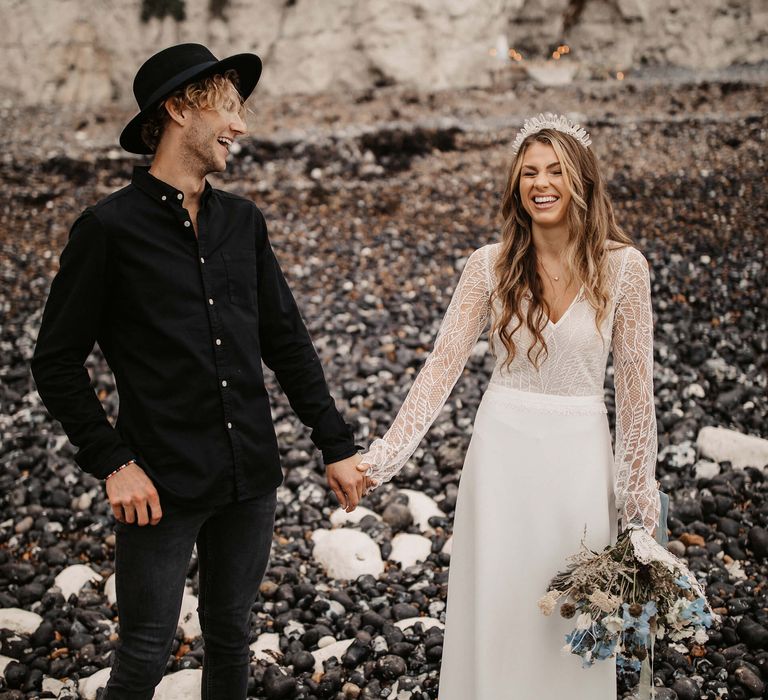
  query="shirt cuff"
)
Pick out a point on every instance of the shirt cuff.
point(337, 454)
point(102, 465)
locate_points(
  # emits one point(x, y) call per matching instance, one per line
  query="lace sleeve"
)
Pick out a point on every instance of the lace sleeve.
point(636, 493)
point(462, 325)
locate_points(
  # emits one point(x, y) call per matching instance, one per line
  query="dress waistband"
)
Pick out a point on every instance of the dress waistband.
point(591, 403)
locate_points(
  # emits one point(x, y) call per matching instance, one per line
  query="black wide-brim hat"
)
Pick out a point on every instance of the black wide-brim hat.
point(173, 68)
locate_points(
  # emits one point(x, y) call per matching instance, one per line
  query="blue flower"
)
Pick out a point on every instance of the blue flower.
point(696, 612)
point(641, 628)
point(683, 582)
point(628, 664)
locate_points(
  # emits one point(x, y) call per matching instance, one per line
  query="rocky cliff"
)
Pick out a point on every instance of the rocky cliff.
point(79, 51)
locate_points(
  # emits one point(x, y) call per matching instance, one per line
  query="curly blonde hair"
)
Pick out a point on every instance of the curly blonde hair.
point(215, 92)
point(591, 223)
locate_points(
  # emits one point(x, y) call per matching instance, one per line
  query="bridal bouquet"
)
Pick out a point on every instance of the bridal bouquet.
point(624, 598)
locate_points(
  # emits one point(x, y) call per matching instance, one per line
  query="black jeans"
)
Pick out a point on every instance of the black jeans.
point(151, 562)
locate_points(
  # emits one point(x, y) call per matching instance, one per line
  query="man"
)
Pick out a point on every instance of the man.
point(178, 284)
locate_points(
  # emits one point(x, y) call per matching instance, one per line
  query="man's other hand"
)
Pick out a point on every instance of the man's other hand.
point(133, 496)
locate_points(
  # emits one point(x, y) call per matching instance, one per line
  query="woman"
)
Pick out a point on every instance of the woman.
point(561, 289)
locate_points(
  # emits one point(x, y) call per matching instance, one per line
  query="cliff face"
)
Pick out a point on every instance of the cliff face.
point(78, 51)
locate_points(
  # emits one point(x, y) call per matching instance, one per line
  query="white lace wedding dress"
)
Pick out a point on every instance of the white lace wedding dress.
point(538, 471)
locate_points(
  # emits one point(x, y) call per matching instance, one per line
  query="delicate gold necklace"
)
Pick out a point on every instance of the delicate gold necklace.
point(557, 279)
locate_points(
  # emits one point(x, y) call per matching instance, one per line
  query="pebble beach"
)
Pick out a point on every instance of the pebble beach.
point(374, 200)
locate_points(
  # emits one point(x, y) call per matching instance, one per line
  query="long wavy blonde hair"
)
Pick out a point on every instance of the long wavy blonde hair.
point(590, 223)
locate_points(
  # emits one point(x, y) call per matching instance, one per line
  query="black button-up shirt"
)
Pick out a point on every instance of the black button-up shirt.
point(184, 323)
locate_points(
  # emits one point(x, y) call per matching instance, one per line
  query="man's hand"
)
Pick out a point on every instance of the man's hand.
point(347, 482)
point(131, 493)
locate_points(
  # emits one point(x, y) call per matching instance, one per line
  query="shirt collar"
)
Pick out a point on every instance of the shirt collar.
point(161, 191)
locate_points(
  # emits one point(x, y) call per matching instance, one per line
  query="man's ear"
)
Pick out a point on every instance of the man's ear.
point(175, 110)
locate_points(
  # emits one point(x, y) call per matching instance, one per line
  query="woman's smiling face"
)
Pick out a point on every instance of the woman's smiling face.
point(543, 190)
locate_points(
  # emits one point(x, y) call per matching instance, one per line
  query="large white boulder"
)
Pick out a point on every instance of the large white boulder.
point(19, 621)
point(71, 579)
point(407, 549)
point(724, 445)
point(182, 685)
point(188, 618)
point(346, 554)
point(89, 686)
point(340, 517)
point(335, 650)
point(266, 647)
point(422, 508)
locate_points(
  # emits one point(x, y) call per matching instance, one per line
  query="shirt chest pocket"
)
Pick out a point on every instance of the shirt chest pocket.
point(240, 269)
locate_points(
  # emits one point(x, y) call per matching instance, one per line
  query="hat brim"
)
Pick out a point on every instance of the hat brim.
point(247, 66)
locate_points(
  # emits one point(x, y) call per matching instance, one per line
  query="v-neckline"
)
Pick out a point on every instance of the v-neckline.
point(555, 324)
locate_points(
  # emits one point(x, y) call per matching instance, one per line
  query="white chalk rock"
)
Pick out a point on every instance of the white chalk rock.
point(19, 621)
point(181, 685)
point(293, 629)
point(266, 647)
point(54, 686)
point(422, 508)
point(448, 546)
point(347, 554)
point(73, 578)
point(705, 469)
point(552, 74)
point(335, 650)
point(428, 623)
point(407, 549)
point(4, 661)
point(188, 618)
point(110, 590)
point(89, 686)
point(722, 444)
point(340, 517)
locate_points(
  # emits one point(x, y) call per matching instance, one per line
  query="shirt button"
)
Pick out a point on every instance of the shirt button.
point(163, 197)
point(229, 426)
point(218, 341)
point(179, 196)
point(202, 260)
point(210, 301)
point(224, 382)
point(187, 223)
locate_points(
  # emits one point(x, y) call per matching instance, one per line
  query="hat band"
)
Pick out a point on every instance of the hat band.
point(170, 85)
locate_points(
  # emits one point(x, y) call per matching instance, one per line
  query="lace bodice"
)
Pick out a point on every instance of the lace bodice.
point(575, 366)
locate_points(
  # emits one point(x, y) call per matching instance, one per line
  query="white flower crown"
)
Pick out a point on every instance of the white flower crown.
point(550, 121)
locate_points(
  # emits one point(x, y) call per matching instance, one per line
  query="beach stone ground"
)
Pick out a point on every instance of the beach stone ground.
point(374, 200)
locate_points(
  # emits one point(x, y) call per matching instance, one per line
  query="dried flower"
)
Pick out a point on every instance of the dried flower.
point(547, 602)
point(635, 609)
point(606, 602)
point(613, 623)
point(567, 610)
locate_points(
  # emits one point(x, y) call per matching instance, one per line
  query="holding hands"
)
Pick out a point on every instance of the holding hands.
point(348, 481)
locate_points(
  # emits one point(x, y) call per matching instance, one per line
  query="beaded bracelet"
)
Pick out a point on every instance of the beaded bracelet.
point(122, 466)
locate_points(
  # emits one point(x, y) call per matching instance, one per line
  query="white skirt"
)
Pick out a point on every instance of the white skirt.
point(539, 470)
